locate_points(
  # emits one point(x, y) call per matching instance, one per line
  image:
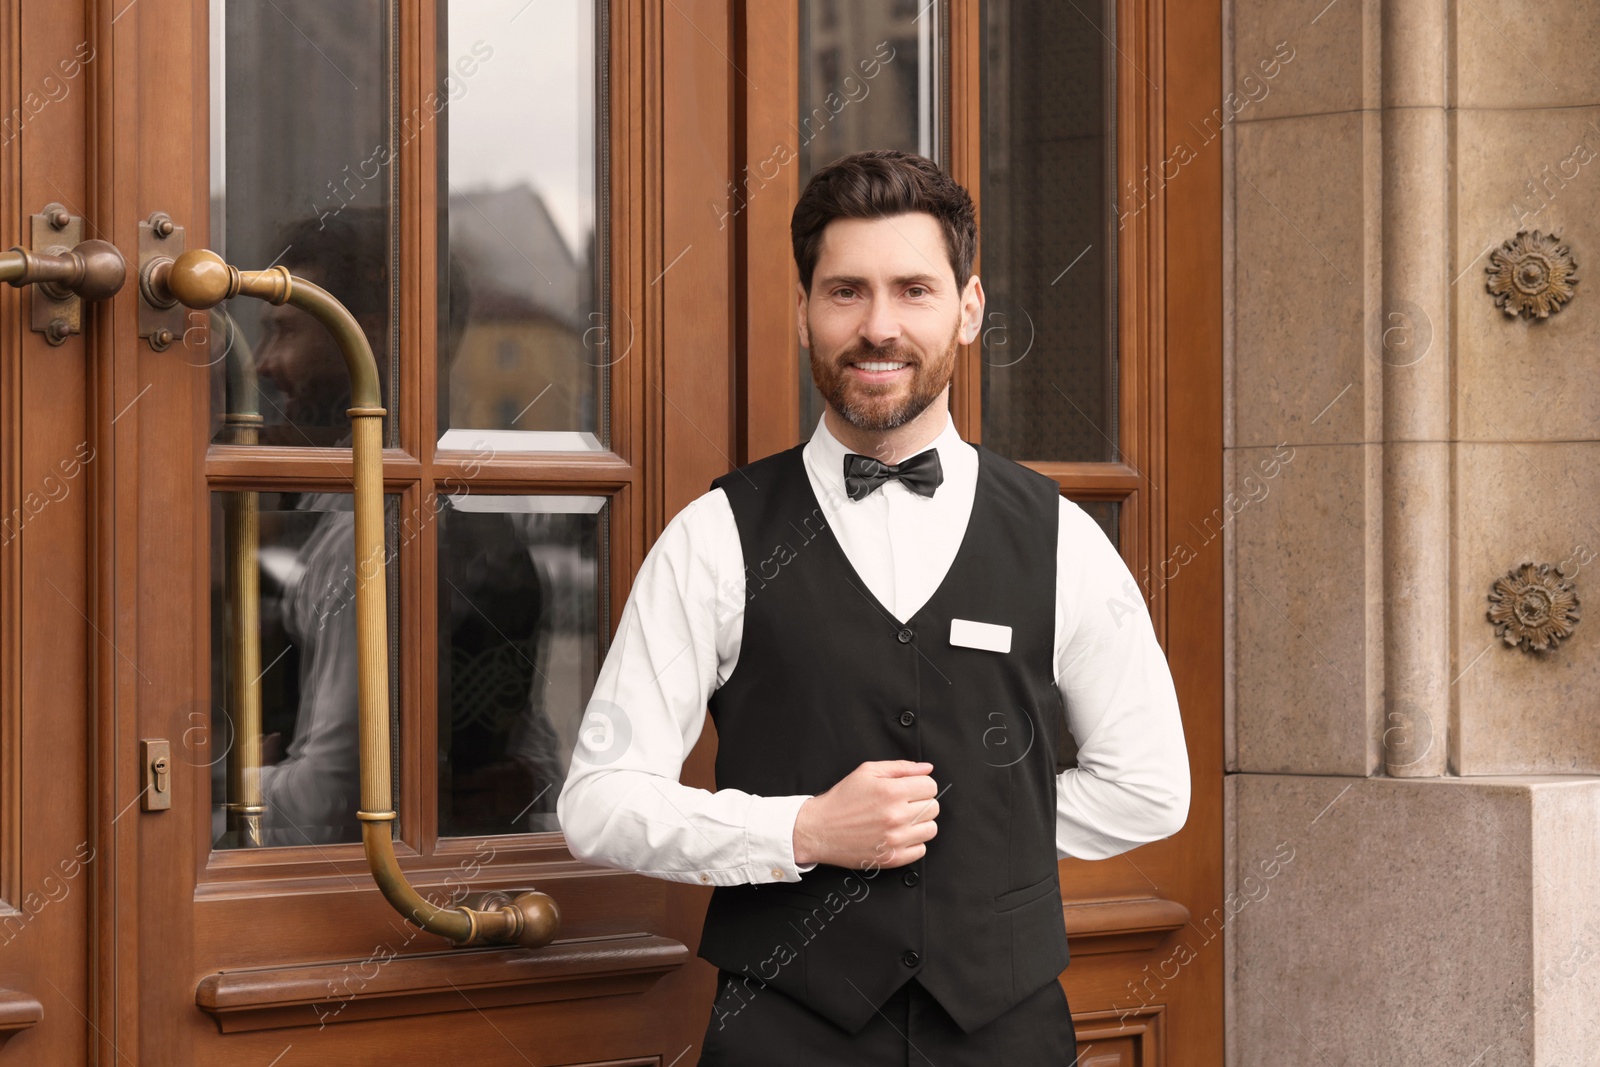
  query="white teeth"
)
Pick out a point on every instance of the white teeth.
point(880, 365)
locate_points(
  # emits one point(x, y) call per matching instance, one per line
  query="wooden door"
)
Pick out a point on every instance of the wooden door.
point(569, 281)
point(506, 263)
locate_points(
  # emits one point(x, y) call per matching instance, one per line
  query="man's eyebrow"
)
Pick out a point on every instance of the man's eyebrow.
point(929, 280)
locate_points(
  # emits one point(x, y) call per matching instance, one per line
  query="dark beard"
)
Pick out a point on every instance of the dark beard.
point(926, 385)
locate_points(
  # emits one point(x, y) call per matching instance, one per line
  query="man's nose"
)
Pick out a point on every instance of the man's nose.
point(269, 363)
point(881, 326)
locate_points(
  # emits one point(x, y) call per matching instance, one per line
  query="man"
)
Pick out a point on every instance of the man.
point(885, 624)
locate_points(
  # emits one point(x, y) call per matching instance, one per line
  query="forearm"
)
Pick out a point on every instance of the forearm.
point(622, 804)
point(638, 821)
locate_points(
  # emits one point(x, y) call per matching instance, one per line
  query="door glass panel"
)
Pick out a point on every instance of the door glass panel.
point(284, 657)
point(1049, 231)
point(525, 335)
point(520, 596)
point(872, 75)
point(302, 176)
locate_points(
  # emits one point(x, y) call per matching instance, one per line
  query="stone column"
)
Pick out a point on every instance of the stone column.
point(1410, 338)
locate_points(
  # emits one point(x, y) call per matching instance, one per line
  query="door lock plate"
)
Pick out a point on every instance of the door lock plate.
point(156, 754)
point(161, 319)
point(56, 312)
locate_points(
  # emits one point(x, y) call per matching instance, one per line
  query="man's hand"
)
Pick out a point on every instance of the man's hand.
point(880, 815)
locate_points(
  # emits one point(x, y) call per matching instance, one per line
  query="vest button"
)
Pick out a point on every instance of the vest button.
point(904, 636)
point(910, 959)
point(911, 877)
point(907, 717)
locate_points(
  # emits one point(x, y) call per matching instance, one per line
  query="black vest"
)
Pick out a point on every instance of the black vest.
point(827, 679)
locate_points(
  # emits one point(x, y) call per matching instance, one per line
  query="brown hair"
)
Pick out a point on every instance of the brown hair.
point(877, 184)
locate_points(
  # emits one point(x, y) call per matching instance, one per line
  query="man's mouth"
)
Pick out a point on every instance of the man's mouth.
point(878, 369)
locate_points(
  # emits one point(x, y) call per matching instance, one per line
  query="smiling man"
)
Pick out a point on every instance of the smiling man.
point(890, 627)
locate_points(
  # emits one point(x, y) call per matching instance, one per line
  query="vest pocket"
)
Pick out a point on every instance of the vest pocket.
point(1016, 898)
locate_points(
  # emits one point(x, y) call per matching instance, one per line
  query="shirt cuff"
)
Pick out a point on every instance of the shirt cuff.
point(771, 839)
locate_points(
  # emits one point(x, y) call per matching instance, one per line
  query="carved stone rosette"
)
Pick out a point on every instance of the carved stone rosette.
point(1532, 607)
point(1532, 275)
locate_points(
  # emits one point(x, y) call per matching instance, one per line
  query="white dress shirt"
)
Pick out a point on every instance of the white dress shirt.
point(622, 804)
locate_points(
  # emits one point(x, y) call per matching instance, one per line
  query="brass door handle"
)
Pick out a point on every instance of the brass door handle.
point(65, 270)
point(200, 279)
point(94, 270)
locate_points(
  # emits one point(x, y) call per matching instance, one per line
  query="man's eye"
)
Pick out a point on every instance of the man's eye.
point(917, 291)
point(844, 294)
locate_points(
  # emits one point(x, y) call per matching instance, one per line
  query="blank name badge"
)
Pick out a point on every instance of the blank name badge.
point(989, 636)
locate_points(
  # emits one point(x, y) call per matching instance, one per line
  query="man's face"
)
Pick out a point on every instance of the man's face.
point(884, 317)
point(299, 358)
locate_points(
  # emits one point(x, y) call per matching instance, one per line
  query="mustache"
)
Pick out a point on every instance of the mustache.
point(894, 353)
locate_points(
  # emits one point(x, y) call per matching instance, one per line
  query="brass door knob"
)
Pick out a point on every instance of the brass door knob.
point(93, 270)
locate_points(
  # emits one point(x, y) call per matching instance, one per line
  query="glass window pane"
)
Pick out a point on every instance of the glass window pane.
point(1049, 231)
point(302, 177)
point(520, 622)
point(283, 674)
point(525, 337)
point(872, 75)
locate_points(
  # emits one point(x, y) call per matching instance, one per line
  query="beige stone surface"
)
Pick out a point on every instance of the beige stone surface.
point(1305, 690)
point(1519, 713)
point(1416, 607)
point(1412, 344)
point(1522, 380)
point(1513, 54)
point(1566, 978)
point(1336, 60)
point(1405, 928)
point(1306, 244)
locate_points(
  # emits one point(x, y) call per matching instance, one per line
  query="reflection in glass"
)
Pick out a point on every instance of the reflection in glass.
point(522, 228)
point(519, 649)
point(302, 177)
point(1049, 232)
point(872, 75)
point(301, 765)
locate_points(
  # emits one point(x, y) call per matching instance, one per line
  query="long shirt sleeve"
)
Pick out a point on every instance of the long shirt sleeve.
point(1131, 784)
point(622, 804)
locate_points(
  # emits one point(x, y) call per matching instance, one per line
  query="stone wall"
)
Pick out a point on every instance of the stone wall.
point(1435, 784)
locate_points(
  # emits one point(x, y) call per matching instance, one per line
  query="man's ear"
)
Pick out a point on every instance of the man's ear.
point(801, 300)
point(972, 301)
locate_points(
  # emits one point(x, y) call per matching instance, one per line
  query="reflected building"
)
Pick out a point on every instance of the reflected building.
point(522, 362)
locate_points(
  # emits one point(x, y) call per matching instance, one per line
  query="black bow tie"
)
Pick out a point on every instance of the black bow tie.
point(921, 474)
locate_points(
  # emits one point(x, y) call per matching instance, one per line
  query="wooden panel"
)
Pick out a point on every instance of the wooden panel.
point(18, 1012)
point(966, 166)
point(1134, 1039)
point(342, 991)
point(765, 188)
point(49, 462)
point(1099, 927)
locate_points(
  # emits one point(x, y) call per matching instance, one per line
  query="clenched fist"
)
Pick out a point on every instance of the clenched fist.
point(879, 815)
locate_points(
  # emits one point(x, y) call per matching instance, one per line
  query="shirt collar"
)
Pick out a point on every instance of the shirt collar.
point(825, 453)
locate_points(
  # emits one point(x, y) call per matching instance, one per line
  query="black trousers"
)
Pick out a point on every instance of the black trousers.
point(754, 1026)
